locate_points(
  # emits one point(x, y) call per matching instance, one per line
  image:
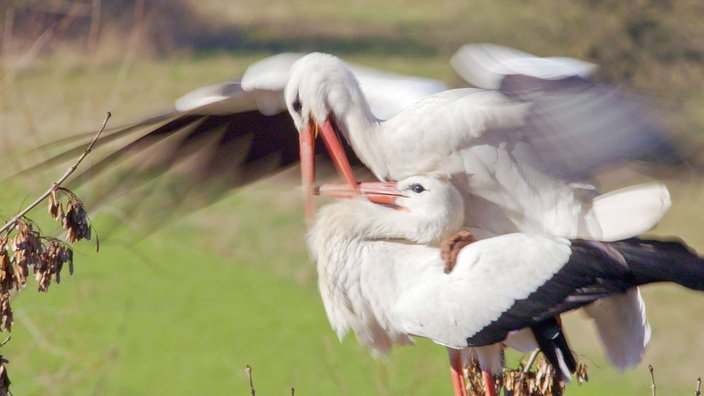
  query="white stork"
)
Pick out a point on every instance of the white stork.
point(381, 277)
point(513, 147)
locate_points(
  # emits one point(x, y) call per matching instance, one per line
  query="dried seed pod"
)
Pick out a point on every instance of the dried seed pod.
point(8, 281)
point(54, 205)
point(76, 222)
point(28, 249)
point(6, 316)
point(21, 266)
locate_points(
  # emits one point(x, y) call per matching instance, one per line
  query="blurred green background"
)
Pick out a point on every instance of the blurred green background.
point(183, 310)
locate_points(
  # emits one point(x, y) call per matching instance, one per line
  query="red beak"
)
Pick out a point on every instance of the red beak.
point(307, 153)
point(378, 192)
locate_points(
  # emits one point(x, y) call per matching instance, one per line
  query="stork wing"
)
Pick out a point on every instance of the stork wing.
point(490, 276)
point(574, 128)
point(510, 282)
point(387, 93)
point(186, 159)
point(577, 128)
point(486, 65)
point(217, 138)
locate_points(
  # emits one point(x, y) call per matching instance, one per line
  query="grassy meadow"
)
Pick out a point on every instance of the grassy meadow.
point(184, 309)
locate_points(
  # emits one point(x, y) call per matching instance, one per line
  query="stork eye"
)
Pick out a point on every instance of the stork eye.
point(417, 188)
point(297, 104)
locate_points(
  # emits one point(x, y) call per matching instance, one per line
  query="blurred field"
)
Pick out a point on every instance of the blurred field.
point(183, 310)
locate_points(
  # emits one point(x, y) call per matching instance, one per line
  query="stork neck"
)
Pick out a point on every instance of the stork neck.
point(355, 120)
point(357, 221)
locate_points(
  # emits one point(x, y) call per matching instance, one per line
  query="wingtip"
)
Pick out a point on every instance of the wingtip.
point(485, 65)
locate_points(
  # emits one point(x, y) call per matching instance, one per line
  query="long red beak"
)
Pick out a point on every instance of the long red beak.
point(306, 140)
point(307, 153)
point(378, 192)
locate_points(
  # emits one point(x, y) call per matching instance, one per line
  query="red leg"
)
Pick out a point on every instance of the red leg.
point(458, 382)
point(489, 384)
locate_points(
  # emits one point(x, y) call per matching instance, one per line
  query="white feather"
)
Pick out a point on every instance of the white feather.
point(629, 211)
point(485, 65)
point(622, 327)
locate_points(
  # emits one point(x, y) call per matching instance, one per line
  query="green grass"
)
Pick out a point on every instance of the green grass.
point(183, 310)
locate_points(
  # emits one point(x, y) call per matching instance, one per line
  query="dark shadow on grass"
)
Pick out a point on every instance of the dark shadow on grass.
point(173, 25)
point(165, 26)
point(249, 40)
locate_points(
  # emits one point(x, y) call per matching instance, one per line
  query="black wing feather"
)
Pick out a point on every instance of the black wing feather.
point(596, 270)
point(203, 157)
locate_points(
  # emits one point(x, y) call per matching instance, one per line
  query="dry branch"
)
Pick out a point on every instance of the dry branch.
point(12, 223)
point(46, 256)
point(248, 371)
point(698, 392)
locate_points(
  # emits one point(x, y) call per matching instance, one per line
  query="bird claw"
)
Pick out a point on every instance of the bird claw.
point(450, 248)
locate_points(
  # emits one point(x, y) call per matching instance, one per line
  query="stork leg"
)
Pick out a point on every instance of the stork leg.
point(457, 372)
point(489, 384)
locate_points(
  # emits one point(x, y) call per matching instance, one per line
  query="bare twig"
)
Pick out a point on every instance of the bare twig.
point(699, 387)
point(248, 371)
point(13, 222)
point(652, 379)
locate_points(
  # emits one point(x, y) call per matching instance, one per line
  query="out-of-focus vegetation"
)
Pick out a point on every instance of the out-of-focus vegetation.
point(651, 45)
point(184, 310)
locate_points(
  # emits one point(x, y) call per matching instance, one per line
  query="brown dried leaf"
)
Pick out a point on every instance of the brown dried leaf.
point(76, 222)
point(4, 378)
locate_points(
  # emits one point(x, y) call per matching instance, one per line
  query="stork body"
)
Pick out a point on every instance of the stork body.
point(381, 277)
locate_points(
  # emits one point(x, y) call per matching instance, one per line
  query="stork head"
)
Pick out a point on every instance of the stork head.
point(427, 208)
point(319, 83)
point(432, 198)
